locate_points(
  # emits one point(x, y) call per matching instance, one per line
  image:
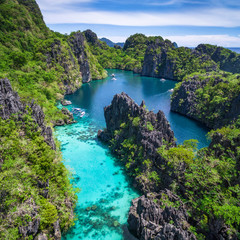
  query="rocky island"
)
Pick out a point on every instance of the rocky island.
point(170, 176)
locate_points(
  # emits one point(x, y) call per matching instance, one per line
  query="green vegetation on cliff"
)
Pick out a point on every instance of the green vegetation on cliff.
point(35, 188)
point(36, 194)
point(225, 58)
point(211, 182)
point(40, 63)
point(212, 98)
point(206, 180)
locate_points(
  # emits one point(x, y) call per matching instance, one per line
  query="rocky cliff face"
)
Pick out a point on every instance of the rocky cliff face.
point(163, 60)
point(156, 63)
point(150, 217)
point(58, 53)
point(91, 37)
point(184, 100)
point(77, 43)
point(215, 110)
point(123, 108)
point(10, 104)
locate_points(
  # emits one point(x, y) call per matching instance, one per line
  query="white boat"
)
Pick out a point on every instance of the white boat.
point(114, 79)
point(162, 80)
point(170, 90)
point(76, 110)
point(79, 112)
point(113, 75)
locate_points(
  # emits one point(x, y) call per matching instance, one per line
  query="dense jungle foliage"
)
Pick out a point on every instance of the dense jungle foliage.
point(40, 64)
point(207, 180)
point(30, 170)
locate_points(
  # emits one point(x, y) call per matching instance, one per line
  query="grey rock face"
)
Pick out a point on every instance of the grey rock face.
point(9, 100)
point(32, 227)
point(123, 107)
point(57, 55)
point(228, 60)
point(77, 45)
point(188, 105)
point(43, 186)
point(10, 104)
point(156, 63)
point(91, 37)
point(151, 218)
point(161, 57)
point(57, 230)
point(41, 236)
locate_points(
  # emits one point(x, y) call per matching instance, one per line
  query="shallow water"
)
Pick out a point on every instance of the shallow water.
point(106, 193)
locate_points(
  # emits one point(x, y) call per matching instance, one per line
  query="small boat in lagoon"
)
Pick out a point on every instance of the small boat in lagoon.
point(170, 90)
point(114, 79)
point(113, 75)
point(79, 112)
point(162, 80)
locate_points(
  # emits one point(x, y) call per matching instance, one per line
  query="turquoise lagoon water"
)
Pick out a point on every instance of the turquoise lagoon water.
point(106, 192)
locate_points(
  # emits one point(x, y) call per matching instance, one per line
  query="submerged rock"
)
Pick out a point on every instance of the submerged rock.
point(66, 102)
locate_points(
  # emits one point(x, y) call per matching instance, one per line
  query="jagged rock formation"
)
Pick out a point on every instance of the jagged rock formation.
point(33, 226)
point(187, 100)
point(10, 104)
point(123, 107)
point(133, 130)
point(91, 37)
point(77, 42)
point(156, 63)
point(135, 134)
point(150, 217)
point(228, 60)
point(9, 100)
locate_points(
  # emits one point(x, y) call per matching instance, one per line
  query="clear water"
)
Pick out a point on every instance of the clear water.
point(106, 192)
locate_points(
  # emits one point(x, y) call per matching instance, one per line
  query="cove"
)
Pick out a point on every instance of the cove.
point(106, 192)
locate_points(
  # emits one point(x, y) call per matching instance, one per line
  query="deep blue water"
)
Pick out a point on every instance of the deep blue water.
point(106, 193)
point(235, 49)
